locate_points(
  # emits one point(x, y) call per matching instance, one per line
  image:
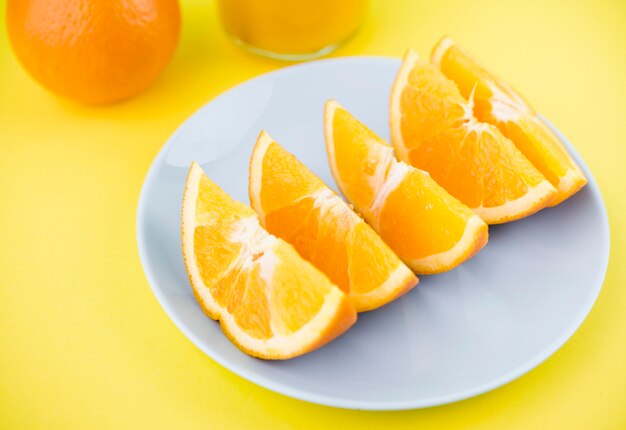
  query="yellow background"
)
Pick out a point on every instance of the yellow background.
point(83, 341)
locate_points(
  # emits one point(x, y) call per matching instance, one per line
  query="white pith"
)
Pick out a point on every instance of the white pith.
point(331, 205)
point(258, 249)
point(440, 51)
point(396, 172)
point(572, 177)
point(395, 175)
point(504, 106)
point(256, 246)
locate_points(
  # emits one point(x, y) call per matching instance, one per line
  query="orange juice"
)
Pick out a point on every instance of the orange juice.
point(292, 29)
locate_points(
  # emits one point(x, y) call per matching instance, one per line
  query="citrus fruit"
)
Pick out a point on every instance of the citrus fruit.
point(270, 302)
point(298, 207)
point(426, 227)
point(497, 103)
point(433, 128)
point(93, 51)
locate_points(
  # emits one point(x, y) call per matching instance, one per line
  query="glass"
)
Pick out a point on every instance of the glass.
point(292, 29)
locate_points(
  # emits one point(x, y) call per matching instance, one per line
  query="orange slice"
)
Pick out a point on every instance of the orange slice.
point(433, 128)
point(430, 230)
point(298, 207)
point(497, 103)
point(270, 302)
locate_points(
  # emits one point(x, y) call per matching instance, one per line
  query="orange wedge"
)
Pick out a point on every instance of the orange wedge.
point(298, 207)
point(270, 302)
point(497, 103)
point(433, 128)
point(430, 230)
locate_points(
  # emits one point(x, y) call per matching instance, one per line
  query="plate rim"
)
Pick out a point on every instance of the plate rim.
point(326, 400)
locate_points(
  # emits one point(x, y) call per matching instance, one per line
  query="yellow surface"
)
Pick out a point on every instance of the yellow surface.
point(84, 343)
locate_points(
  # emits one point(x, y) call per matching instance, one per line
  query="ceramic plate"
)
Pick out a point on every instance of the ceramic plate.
point(454, 336)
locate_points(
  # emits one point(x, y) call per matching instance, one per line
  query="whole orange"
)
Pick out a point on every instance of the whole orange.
point(94, 51)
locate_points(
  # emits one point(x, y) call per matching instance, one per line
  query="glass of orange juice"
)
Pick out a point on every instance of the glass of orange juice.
point(292, 29)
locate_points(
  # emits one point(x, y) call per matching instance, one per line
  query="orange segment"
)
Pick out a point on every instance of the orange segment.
point(498, 104)
point(430, 230)
point(433, 128)
point(270, 302)
point(298, 207)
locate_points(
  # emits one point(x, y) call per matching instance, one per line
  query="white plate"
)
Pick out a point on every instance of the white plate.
point(456, 335)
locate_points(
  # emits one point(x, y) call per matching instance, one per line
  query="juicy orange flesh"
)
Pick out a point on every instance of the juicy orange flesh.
point(214, 253)
point(473, 161)
point(214, 205)
point(417, 219)
point(247, 300)
point(472, 171)
point(430, 105)
point(419, 203)
point(539, 145)
point(319, 240)
point(364, 275)
point(322, 229)
point(266, 292)
point(283, 184)
point(357, 160)
point(296, 306)
point(467, 74)
point(498, 104)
